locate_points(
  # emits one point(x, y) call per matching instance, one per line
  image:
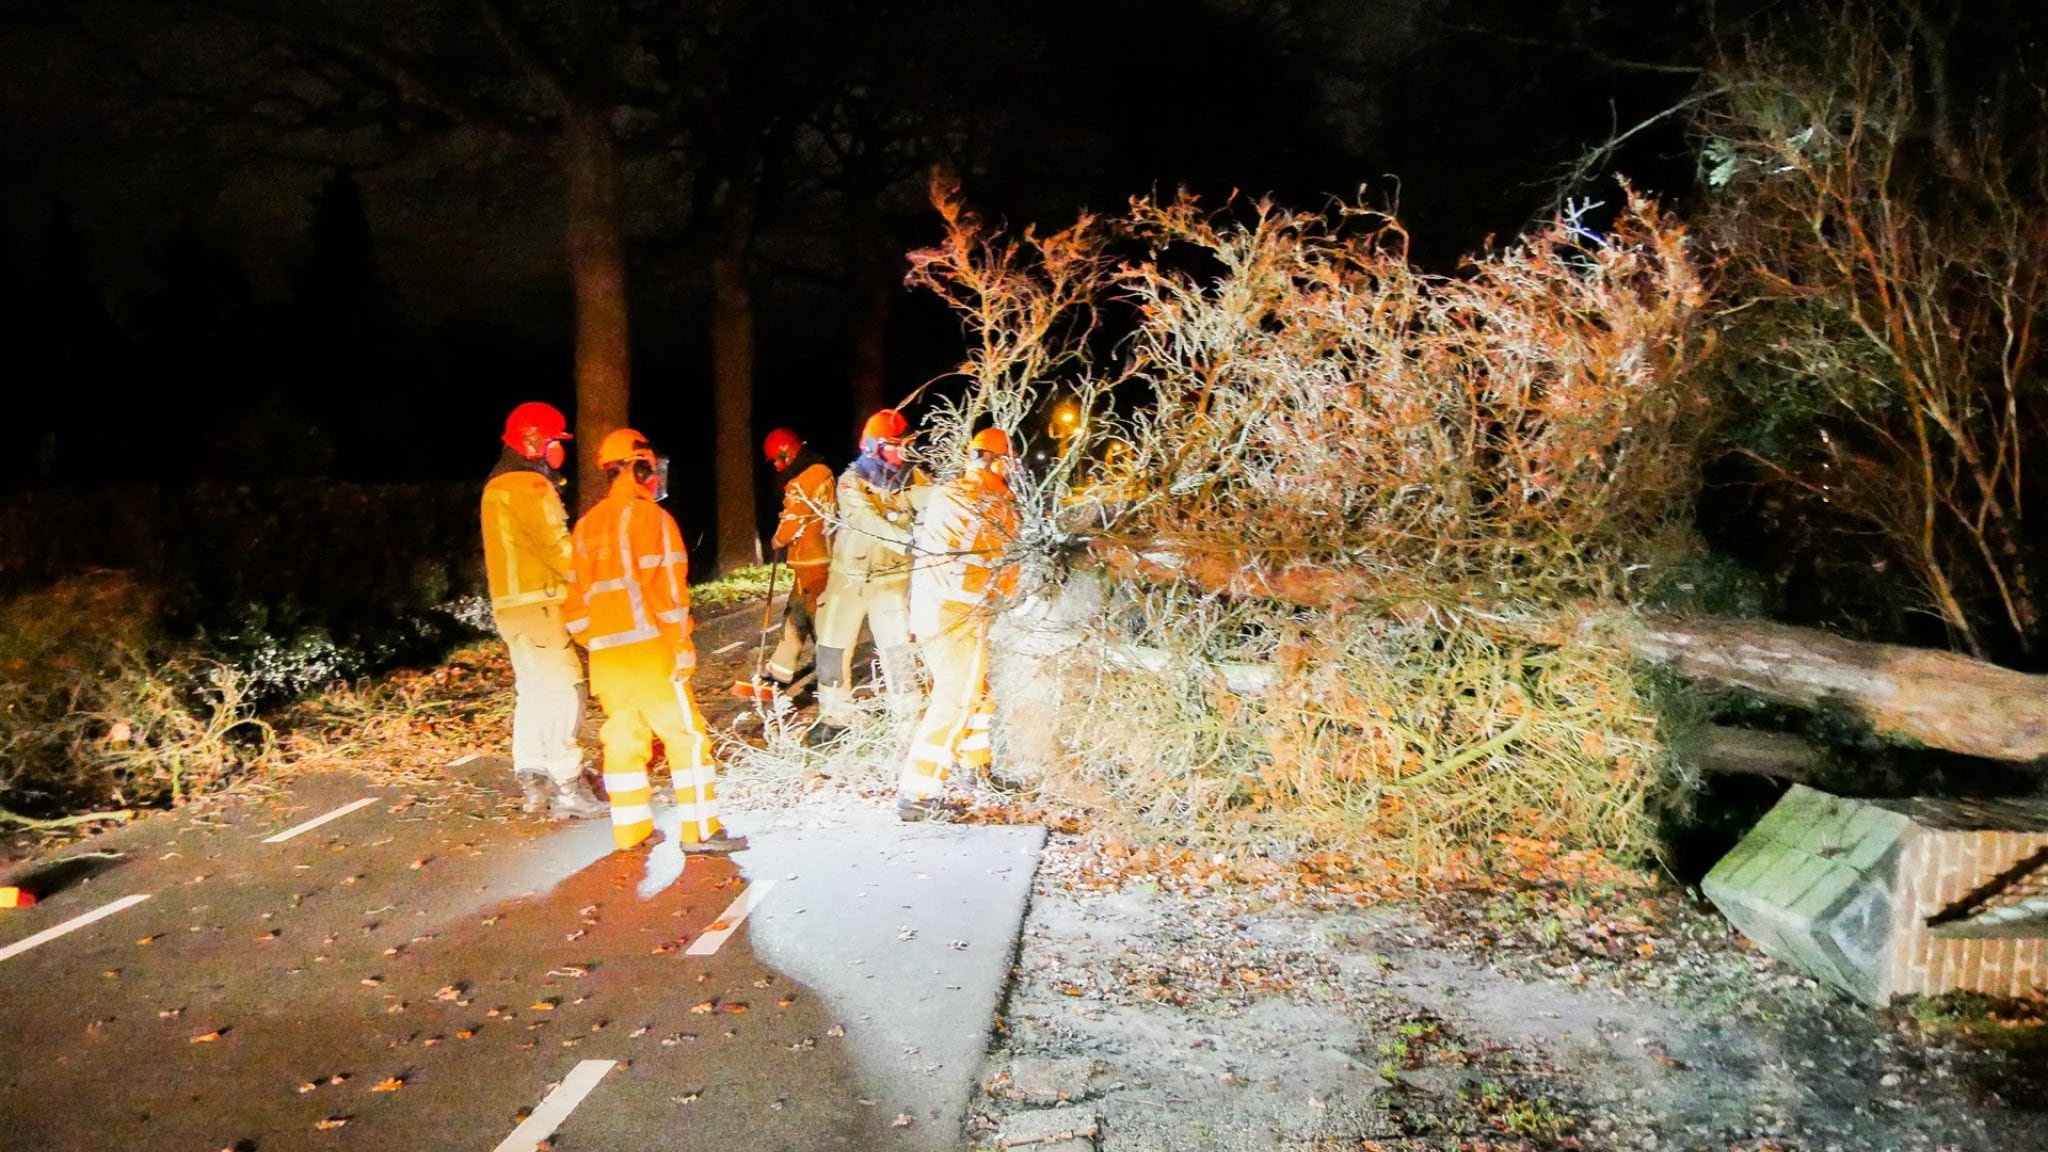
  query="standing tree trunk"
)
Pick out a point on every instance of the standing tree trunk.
point(597, 267)
point(878, 278)
point(732, 386)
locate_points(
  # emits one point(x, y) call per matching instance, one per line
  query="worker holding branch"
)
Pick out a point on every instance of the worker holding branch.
point(958, 580)
point(803, 535)
point(869, 577)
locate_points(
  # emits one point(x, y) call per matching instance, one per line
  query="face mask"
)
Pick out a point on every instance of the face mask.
point(555, 456)
point(891, 453)
point(657, 484)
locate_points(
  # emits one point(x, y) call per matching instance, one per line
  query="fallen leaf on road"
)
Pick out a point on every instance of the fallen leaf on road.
point(465, 1034)
point(957, 945)
point(702, 1009)
point(388, 1084)
point(785, 1002)
point(308, 1086)
point(735, 1008)
point(637, 1033)
point(570, 970)
point(332, 1122)
point(209, 1037)
point(903, 1120)
point(270, 935)
point(170, 1014)
point(836, 1030)
point(547, 1005)
point(338, 1078)
point(151, 939)
point(576, 935)
point(685, 1098)
point(906, 933)
point(450, 992)
point(372, 981)
point(718, 926)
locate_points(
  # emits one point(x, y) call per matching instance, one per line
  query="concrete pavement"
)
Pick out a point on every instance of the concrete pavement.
point(424, 971)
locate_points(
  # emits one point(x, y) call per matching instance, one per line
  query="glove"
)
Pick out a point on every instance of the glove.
point(686, 664)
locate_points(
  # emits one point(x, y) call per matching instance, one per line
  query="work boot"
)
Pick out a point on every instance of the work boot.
point(912, 811)
point(534, 788)
point(822, 733)
point(719, 844)
point(573, 800)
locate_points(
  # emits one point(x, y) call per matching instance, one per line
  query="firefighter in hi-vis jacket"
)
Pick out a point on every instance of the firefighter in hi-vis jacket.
point(629, 606)
point(526, 557)
point(869, 576)
point(804, 535)
point(958, 580)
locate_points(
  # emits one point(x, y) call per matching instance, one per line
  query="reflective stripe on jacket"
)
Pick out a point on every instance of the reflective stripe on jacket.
point(629, 582)
point(959, 542)
point(808, 503)
point(872, 540)
point(526, 539)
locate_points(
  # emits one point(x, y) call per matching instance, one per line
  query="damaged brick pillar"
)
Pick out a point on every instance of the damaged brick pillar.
point(1887, 898)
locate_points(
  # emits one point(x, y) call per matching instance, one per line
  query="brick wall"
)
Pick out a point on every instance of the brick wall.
point(1938, 869)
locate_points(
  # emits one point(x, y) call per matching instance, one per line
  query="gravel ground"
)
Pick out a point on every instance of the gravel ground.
point(1207, 1016)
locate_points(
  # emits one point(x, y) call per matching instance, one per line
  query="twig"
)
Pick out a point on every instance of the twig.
point(64, 821)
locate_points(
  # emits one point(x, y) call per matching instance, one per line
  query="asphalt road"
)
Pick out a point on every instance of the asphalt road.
point(428, 969)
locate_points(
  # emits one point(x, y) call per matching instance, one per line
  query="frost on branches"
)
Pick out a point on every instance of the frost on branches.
point(1311, 566)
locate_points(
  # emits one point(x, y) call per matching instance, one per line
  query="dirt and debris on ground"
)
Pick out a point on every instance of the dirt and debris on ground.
point(1190, 1009)
point(1168, 1001)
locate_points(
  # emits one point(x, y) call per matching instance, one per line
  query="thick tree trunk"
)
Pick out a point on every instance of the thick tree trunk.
point(1911, 695)
point(732, 390)
point(878, 280)
point(597, 267)
point(1939, 699)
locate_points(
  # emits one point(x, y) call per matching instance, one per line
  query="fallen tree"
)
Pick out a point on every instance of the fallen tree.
point(1913, 695)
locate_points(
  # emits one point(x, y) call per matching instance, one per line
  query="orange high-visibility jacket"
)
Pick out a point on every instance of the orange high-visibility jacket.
point(959, 542)
point(526, 540)
point(807, 505)
point(629, 580)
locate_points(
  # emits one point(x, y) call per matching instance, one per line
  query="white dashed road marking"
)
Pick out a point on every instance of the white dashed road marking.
point(556, 1108)
point(71, 925)
point(317, 821)
point(722, 928)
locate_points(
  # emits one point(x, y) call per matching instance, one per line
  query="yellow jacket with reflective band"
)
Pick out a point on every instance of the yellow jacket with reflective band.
point(629, 581)
point(526, 540)
point(807, 502)
point(872, 542)
point(959, 542)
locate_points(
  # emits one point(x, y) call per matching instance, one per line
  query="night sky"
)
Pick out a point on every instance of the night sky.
point(193, 292)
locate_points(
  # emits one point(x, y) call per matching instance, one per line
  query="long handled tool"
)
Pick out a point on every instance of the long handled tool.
point(758, 689)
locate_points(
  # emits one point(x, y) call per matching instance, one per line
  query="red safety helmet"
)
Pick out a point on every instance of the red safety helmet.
point(781, 447)
point(533, 426)
point(888, 424)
